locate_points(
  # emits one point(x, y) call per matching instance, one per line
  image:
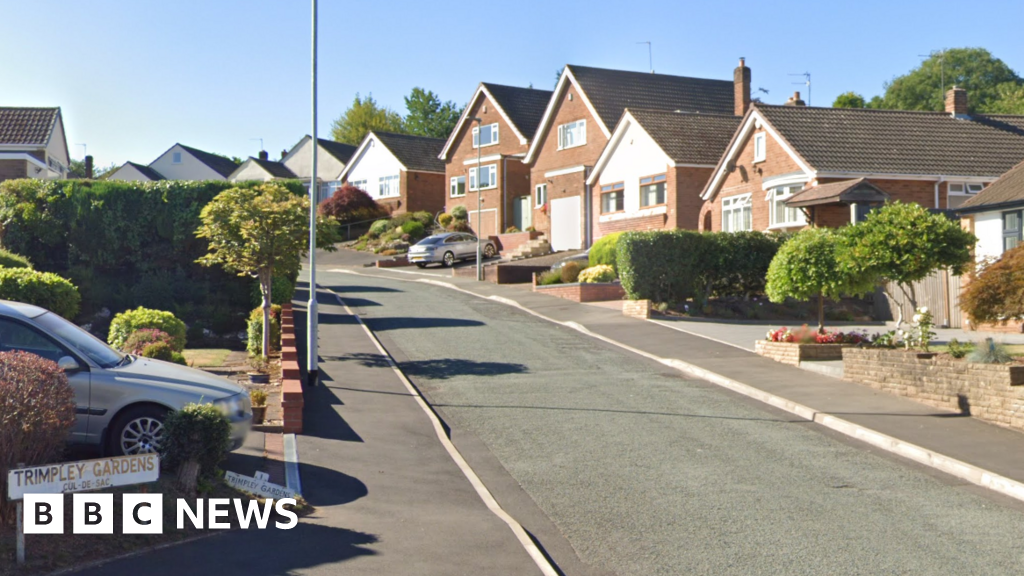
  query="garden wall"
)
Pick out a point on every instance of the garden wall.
point(583, 291)
point(793, 353)
point(990, 392)
point(508, 242)
point(292, 401)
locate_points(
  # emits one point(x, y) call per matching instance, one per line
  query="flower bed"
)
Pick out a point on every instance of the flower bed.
point(804, 344)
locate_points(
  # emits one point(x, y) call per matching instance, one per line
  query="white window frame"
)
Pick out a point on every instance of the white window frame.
point(779, 194)
point(578, 127)
point(492, 129)
point(361, 184)
point(175, 157)
point(760, 146)
point(540, 195)
point(741, 203)
point(453, 186)
point(965, 188)
point(492, 181)
point(327, 189)
point(392, 184)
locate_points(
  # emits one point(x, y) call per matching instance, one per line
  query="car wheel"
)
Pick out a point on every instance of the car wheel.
point(421, 264)
point(138, 430)
point(449, 260)
point(489, 251)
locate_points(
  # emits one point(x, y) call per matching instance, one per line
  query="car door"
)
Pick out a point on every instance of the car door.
point(18, 336)
point(468, 246)
point(453, 244)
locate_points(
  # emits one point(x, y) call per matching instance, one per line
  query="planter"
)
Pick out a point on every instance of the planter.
point(258, 414)
point(584, 291)
point(259, 378)
point(793, 353)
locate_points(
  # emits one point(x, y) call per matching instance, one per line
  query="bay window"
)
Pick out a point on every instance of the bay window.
point(652, 190)
point(736, 214)
point(779, 213)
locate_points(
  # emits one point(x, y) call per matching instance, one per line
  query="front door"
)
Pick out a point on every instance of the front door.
point(522, 214)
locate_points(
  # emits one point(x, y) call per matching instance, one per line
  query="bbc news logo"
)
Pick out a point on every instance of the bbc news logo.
point(143, 513)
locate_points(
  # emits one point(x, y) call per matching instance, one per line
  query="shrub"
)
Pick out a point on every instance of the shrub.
point(512, 230)
point(380, 227)
point(139, 340)
point(990, 352)
point(258, 397)
point(254, 329)
point(459, 226)
point(351, 204)
point(424, 217)
point(414, 229)
point(460, 212)
point(282, 290)
point(127, 323)
point(163, 351)
point(444, 220)
point(599, 273)
point(43, 289)
point(196, 440)
point(570, 271)
point(996, 292)
point(11, 260)
point(550, 277)
point(604, 250)
point(957, 349)
point(37, 411)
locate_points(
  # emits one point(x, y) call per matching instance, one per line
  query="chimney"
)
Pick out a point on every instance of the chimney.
point(88, 167)
point(283, 154)
point(264, 156)
point(956, 102)
point(741, 87)
point(795, 100)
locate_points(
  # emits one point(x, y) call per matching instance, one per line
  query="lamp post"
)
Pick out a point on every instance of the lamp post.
point(479, 201)
point(311, 306)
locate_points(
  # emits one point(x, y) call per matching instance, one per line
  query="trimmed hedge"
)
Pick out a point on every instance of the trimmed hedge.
point(11, 260)
point(604, 251)
point(414, 229)
point(43, 289)
point(678, 265)
point(127, 323)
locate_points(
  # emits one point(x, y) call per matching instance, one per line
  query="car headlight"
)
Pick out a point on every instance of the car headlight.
point(234, 406)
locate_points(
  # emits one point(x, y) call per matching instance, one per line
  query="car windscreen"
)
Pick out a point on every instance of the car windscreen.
point(430, 241)
point(86, 343)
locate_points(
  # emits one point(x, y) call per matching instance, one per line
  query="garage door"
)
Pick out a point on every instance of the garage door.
point(566, 226)
point(489, 218)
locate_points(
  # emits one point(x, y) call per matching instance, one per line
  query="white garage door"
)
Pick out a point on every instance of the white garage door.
point(565, 224)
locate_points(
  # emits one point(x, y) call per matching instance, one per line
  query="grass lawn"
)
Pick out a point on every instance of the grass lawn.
point(1013, 349)
point(206, 357)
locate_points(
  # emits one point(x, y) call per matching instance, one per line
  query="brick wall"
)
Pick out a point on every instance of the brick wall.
point(12, 169)
point(509, 242)
point(793, 353)
point(292, 400)
point(641, 223)
point(584, 292)
point(687, 185)
point(423, 191)
point(637, 308)
point(988, 392)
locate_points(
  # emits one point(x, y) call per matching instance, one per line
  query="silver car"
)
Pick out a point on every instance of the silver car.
point(448, 248)
point(122, 400)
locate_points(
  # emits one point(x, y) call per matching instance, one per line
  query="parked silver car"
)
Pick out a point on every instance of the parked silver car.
point(447, 248)
point(122, 400)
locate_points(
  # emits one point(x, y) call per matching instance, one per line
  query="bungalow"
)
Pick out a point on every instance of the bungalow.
point(262, 168)
point(995, 215)
point(331, 159)
point(508, 119)
point(402, 172)
point(790, 166)
point(586, 105)
point(179, 162)
point(32, 144)
point(651, 173)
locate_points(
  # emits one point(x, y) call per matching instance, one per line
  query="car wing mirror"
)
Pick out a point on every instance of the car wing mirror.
point(69, 365)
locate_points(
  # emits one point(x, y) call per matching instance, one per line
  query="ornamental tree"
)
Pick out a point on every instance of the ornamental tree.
point(260, 232)
point(808, 265)
point(902, 243)
point(996, 292)
point(351, 204)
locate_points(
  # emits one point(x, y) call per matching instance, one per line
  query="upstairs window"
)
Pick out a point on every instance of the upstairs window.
point(572, 134)
point(780, 213)
point(176, 158)
point(485, 135)
point(736, 214)
point(361, 184)
point(652, 191)
point(759, 147)
point(612, 197)
point(960, 192)
point(488, 177)
point(457, 187)
point(388, 186)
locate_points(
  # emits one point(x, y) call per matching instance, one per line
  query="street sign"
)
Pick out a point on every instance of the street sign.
point(83, 475)
point(258, 485)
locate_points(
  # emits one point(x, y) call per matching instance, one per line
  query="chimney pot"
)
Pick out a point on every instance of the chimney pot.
point(795, 100)
point(741, 88)
point(88, 167)
point(263, 155)
point(283, 154)
point(956, 102)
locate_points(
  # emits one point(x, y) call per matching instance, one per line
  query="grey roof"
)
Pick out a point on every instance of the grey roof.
point(28, 126)
point(612, 91)
point(1009, 188)
point(343, 152)
point(524, 106)
point(275, 169)
point(219, 164)
point(848, 191)
point(688, 138)
point(417, 153)
point(898, 141)
point(146, 171)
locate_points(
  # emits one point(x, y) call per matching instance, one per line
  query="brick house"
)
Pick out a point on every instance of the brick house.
point(179, 162)
point(402, 172)
point(586, 105)
point(654, 168)
point(33, 144)
point(508, 120)
point(790, 166)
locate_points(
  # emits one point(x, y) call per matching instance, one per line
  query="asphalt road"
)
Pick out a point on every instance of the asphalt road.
point(646, 472)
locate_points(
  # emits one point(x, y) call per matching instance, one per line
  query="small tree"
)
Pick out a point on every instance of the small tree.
point(808, 265)
point(260, 232)
point(351, 204)
point(901, 244)
point(996, 292)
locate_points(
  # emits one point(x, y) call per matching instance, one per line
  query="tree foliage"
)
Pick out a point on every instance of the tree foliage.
point(428, 116)
point(362, 117)
point(351, 204)
point(849, 100)
point(996, 292)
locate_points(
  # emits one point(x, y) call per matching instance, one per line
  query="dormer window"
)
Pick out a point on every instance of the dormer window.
point(759, 147)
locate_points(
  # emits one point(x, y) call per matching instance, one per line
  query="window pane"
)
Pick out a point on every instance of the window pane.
point(652, 194)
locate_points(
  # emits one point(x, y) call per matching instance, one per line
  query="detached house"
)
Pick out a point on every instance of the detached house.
point(331, 159)
point(996, 215)
point(790, 166)
point(179, 162)
point(32, 144)
point(262, 168)
point(585, 107)
point(402, 172)
point(508, 119)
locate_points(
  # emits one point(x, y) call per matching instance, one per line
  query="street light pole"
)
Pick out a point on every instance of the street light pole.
point(479, 200)
point(311, 306)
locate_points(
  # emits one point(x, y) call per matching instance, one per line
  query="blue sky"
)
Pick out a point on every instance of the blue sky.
point(134, 77)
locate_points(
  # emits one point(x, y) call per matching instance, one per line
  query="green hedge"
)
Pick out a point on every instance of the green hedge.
point(678, 265)
point(43, 289)
point(604, 251)
point(126, 244)
point(11, 260)
point(127, 323)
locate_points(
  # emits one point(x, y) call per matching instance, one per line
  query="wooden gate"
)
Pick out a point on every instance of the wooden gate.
point(939, 292)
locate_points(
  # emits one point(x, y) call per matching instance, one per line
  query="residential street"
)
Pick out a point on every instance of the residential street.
point(647, 472)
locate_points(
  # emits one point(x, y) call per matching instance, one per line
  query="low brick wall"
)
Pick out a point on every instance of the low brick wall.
point(396, 262)
point(292, 400)
point(584, 291)
point(793, 353)
point(637, 309)
point(509, 242)
point(501, 273)
point(990, 392)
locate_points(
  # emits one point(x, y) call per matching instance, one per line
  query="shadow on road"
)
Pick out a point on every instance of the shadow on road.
point(440, 368)
point(637, 412)
point(320, 416)
point(320, 486)
point(379, 324)
point(346, 288)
